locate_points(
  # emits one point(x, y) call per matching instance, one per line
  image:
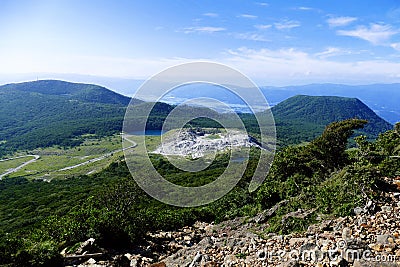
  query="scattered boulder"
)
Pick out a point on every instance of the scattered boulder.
point(85, 246)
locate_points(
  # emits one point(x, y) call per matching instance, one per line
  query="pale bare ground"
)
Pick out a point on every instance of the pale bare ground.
point(101, 157)
point(184, 143)
point(36, 157)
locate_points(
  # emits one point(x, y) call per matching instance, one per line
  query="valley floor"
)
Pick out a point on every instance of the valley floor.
point(49, 163)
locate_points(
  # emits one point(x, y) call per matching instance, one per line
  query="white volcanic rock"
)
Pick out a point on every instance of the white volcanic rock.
point(188, 143)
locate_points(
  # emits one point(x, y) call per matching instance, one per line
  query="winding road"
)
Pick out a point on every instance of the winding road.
point(36, 157)
point(100, 158)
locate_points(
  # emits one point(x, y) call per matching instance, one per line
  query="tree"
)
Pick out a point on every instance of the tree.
point(331, 146)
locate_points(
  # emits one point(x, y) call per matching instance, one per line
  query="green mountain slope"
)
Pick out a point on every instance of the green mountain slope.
point(302, 118)
point(46, 113)
point(73, 91)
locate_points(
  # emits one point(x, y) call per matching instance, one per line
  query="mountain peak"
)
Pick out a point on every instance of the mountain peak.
point(303, 113)
point(75, 91)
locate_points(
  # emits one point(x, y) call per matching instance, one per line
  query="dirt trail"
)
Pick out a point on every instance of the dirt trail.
point(36, 157)
point(100, 158)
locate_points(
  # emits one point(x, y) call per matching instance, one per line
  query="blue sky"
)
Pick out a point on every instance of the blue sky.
point(273, 42)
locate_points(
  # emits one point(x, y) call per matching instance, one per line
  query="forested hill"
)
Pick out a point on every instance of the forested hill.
point(72, 91)
point(49, 112)
point(302, 118)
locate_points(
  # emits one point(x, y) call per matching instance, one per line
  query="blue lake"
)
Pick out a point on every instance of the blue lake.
point(149, 132)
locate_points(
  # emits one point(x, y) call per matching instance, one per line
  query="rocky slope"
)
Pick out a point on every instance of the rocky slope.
point(199, 143)
point(369, 238)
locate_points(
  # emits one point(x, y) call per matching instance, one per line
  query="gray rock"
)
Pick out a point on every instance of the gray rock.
point(264, 216)
point(308, 247)
point(362, 220)
point(310, 252)
point(358, 211)
point(370, 206)
point(313, 229)
point(338, 226)
point(383, 239)
point(196, 259)
point(231, 242)
point(134, 263)
point(356, 244)
point(292, 263)
point(346, 233)
point(91, 261)
point(363, 263)
point(386, 209)
point(85, 246)
point(206, 243)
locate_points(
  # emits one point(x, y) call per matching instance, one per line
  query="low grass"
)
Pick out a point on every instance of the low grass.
point(53, 159)
point(13, 163)
point(213, 136)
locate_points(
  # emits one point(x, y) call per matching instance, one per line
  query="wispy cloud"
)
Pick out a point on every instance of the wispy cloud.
point(340, 21)
point(395, 46)
point(262, 26)
point(307, 8)
point(211, 15)
point(332, 52)
point(287, 24)
point(251, 37)
point(247, 16)
point(204, 29)
point(262, 4)
point(304, 8)
point(286, 66)
point(292, 66)
point(376, 34)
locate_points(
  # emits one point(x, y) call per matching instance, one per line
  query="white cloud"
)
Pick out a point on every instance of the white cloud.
point(292, 66)
point(268, 67)
point(287, 24)
point(376, 34)
point(211, 15)
point(262, 4)
point(262, 26)
point(340, 21)
point(205, 29)
point(305, 8)
point(251, 37)
point(247, 16)
point(395, 46)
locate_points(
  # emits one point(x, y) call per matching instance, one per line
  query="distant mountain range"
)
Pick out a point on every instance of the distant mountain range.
point(384, 99)
point(50, 112)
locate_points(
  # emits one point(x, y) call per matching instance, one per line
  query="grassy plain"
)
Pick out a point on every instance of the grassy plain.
point(53, 159)
point(12, 163)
